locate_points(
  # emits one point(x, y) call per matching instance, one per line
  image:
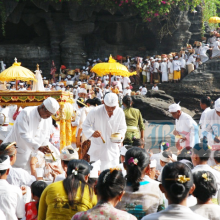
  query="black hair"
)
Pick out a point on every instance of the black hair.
point(110, 184)
point(166, 154)
point(134, 171)
point(89, 101)
point(206, 185)
point(176, 190)
point(75, 180)
point(185, 154)
point(37, 188)
point(137, 142)
point(217, 156)
point(80, 100)
point(127, 100)
point(2, 159)
point(203, 151)
point(206, 100)
point(54, 123)
point(188, 163)
point(96, 101)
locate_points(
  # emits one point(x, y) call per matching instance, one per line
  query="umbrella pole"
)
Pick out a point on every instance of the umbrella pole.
point(110, 77)
point(16, 84)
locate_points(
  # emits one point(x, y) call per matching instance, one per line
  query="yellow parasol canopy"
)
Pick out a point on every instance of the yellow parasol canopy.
point(17, 72)
point(214, 20)
point(112, 67)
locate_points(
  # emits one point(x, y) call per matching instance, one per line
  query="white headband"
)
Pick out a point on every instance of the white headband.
point(6, 164)
point(164, 159)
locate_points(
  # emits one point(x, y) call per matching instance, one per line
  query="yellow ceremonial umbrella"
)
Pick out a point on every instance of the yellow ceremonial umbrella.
point(214, 20)
point(17, 72)
point(111, 68)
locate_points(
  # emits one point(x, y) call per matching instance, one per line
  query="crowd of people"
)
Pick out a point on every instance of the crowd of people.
point(108, 172)
point(153, 69)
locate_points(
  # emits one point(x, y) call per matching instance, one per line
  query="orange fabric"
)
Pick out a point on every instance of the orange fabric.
point(74, 134)
point(116, 91)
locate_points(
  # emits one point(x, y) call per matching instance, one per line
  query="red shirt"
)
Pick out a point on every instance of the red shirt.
point(31, 211)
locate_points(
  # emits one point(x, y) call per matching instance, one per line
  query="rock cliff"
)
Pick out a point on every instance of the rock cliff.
point(40, 31)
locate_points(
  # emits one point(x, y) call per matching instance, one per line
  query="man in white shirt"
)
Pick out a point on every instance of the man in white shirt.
point(100, 124)
point(190, 63)
point(22, 88)
point(211, 124)
point(74, 91)
point(155, 87)
point(164, 70)
point(144, 90)
point(126, 82)
point(11, 200)
point(170, 68)
point(211, 131)
point(183, 67)
point(186, 130)
point(118, 83)
point(176, 69)
point(127, 91)
point(156, 71)
point(31, 131)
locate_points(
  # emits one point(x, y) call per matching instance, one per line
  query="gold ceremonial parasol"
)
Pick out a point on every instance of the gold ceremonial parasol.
point(214, 20)
point(17, 72)
point(111, 68)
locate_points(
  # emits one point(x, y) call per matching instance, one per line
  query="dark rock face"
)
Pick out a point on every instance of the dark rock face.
point(155, 108)
point(160, 95)
point(68, 33)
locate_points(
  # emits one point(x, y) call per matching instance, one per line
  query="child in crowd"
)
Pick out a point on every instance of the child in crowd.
point(31, 208)
point(164, 159)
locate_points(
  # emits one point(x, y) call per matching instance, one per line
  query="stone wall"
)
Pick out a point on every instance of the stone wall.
point(41, 31)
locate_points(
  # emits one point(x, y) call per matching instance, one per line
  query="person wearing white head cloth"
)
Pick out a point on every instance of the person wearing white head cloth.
point(100, 124)
point(216, 49)
point(203, 56)
point(164, 70)
point(67, 154)
point(170, 68)
point(11, 200)
point(22, 88)
point(31, 131)
point(212, 128)
point(186, 130)
point(176, 69)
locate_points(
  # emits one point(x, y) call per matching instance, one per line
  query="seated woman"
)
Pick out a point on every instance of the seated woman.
point(134, 121)
point(110, 189)
point(63, 199)
point(206, 187)
point(177, 183)
point(142, 194)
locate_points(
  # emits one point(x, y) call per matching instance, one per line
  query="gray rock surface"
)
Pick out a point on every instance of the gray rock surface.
point(155, 108)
